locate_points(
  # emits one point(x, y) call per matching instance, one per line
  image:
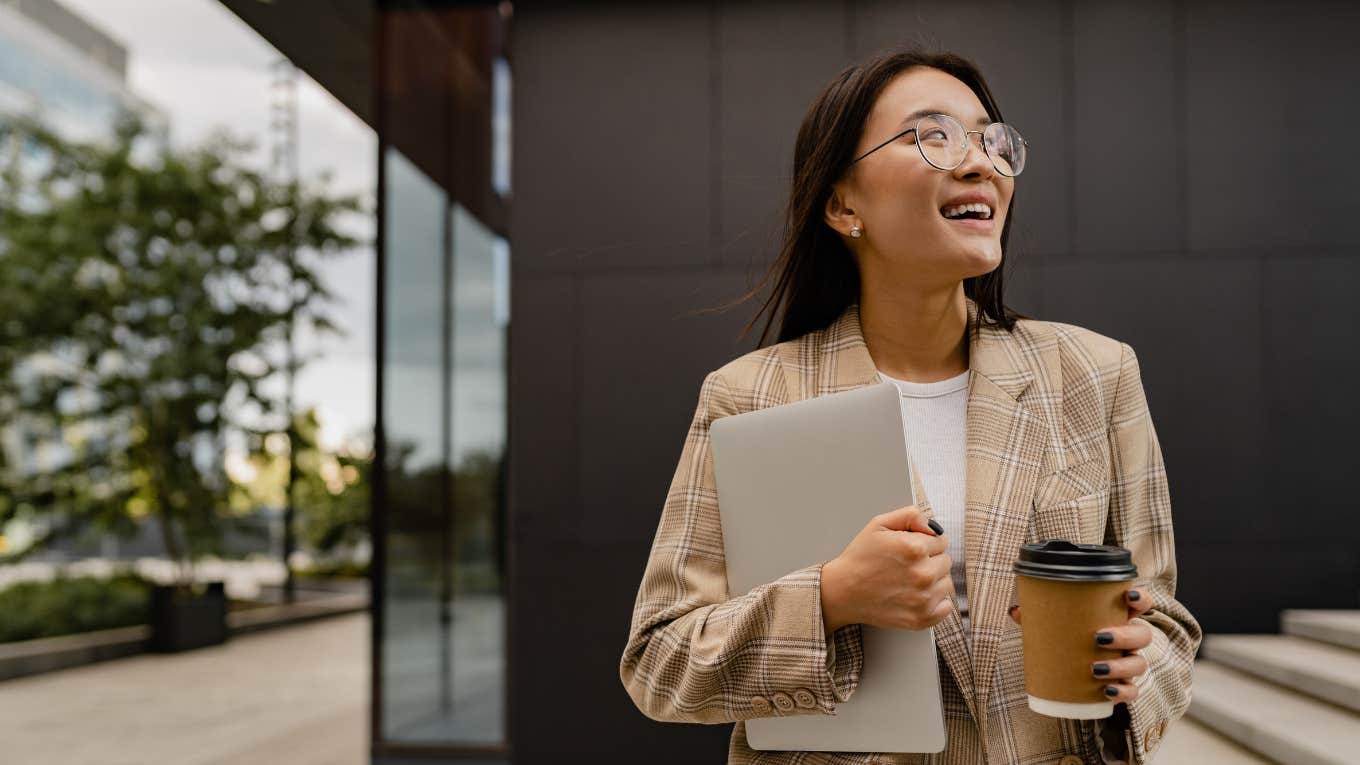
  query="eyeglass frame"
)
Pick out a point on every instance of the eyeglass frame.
point(966, 133)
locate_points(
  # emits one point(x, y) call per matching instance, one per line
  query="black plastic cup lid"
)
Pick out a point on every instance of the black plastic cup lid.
point(1074, 562)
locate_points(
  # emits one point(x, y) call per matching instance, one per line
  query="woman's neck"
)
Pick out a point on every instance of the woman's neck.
point(916, 336)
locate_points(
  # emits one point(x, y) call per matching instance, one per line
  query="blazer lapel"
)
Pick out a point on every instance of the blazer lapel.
point(1006, 440)
point(1005, 445)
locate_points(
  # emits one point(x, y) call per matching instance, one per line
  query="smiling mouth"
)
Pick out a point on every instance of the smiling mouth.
point(974, 211)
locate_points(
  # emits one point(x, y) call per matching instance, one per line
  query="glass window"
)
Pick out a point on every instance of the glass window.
point(415, 648)
point(441, 674)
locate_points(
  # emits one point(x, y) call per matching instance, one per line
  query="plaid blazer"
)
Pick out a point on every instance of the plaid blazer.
point(1060, 444)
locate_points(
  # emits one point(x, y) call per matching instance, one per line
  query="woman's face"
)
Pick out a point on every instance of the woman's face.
point(897, 197)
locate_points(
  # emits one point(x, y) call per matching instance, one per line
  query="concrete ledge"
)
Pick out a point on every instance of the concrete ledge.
point(31, 657)
point(268, 617)
point(1313, 668)
point(1338, 627)
point(1275, 722)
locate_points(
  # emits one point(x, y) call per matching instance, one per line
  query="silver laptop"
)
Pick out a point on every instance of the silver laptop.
point(796, 483)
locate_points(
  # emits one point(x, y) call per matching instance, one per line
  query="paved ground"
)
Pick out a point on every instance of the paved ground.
point(297, 695)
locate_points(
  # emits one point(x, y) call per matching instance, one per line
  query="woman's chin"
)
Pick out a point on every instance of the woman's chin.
point(979, 262)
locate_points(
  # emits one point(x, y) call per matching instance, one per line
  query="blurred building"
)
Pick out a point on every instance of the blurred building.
point(56, 66)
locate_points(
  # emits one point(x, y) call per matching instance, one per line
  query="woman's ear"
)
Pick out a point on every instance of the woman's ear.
point(838, 214)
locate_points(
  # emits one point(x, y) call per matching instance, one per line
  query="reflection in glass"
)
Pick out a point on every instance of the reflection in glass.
point(412, 648)
point(441, 671)
point(478, 447)
point(444, 639)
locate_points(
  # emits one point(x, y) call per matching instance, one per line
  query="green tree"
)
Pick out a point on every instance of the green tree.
point(142, 288)
point(330, 490)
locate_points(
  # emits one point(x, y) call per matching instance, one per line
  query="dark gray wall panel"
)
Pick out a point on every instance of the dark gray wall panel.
point(1024, 285)
point(1246, 587)
point(773, 60)
point(571, 624)
point(1127, 136)
point(545, 375)
point(1021, 50)
point(1311, 366)
point(1270, 104)
point(618, 99)
point(640, 385)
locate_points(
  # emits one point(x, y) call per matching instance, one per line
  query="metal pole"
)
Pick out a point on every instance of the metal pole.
point(284, 126)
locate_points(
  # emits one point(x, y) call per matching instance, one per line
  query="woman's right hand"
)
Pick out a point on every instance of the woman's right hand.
point(894, 573)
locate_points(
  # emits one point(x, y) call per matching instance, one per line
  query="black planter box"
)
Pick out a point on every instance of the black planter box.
point(183, 619)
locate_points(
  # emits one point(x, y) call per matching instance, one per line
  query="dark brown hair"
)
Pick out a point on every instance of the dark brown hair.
point(815, 276)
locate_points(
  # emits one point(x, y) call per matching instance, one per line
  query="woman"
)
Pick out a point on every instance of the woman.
point(892, 269)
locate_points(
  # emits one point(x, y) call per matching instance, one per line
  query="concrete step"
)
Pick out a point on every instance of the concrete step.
point(1335, 626)
point(1272, 721)
point(1326, 671)
point(1187, 741)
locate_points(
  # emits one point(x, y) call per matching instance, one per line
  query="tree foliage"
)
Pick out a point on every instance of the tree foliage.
point(330, 490)
point(142, 288)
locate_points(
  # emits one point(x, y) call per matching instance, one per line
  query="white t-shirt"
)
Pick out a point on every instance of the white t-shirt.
point(935, 421)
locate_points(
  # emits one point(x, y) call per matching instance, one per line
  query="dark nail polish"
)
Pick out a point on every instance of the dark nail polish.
point(1104, 638)
point(1134, 595)
point(1110, 690)
point(935, 527)
point(1101, 668)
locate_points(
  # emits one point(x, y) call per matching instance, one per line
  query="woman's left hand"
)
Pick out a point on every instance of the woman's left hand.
point(1126, 637)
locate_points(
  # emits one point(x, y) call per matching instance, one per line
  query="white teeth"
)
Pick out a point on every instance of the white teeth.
point(978, 207)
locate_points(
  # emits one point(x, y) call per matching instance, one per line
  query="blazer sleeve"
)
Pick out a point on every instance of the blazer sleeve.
point(695, 653)
point(1140, 520)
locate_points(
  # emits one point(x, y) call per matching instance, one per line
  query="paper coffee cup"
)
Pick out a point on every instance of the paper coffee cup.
point(1067, 593)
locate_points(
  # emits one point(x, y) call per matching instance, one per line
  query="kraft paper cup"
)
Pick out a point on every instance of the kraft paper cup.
point(1067, 592)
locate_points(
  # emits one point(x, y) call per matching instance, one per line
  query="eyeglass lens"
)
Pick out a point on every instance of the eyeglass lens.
point(944, 143)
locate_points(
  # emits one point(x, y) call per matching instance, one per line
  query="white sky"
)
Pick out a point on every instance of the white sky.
point(206, 70)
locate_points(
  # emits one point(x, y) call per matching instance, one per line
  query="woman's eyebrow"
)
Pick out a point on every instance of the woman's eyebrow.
point(919, 113)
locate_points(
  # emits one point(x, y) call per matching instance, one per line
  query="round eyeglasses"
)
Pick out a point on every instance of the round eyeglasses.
point(943, 142)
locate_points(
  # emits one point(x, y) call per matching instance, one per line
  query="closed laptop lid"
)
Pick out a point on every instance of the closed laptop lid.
point(795, 484)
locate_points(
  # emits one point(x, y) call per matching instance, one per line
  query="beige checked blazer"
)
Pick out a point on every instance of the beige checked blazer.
point(1060, 444)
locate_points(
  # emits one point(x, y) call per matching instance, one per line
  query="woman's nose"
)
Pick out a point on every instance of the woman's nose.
point(977, 159)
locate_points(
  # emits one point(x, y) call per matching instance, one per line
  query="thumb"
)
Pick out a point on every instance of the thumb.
point(910, 518)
